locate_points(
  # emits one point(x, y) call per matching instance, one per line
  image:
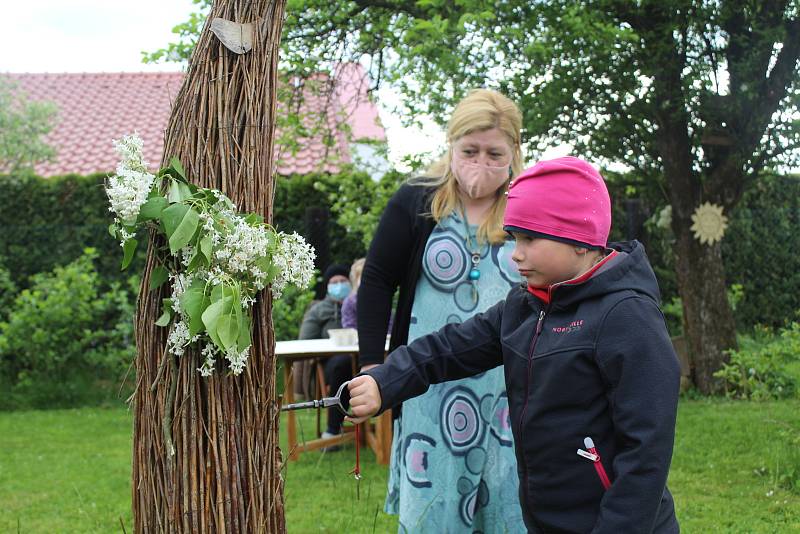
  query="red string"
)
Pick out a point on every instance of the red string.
point(357, 469)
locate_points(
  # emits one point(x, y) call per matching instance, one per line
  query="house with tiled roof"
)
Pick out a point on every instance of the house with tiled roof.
point(94, 108)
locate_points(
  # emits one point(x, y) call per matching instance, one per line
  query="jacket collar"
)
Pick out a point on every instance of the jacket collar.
point(545, 293)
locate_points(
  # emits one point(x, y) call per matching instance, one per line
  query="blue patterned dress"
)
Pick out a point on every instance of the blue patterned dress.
point(452, 467)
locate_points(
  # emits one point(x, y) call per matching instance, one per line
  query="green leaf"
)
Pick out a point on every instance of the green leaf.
point(270, 269)
point(178, 192)
point(253, 218)
point(112, 229)
point(194, 302)
point(128, 249)
point(166, 314)
point(245, 333)
point(180, 222)
point(197, 260)
point(152, 208)
point(228, 330)
point(158, 276)
point(212, 316)
point(175, 163)
point(210, 319)
point(172, 217)
point(219, 291)
point(206, 247)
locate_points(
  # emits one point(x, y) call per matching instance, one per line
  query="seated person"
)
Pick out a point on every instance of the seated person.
point(349, 305)
point(321, 317)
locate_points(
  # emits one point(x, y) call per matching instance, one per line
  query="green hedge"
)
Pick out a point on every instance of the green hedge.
point(49, 221)
point(762, 252)
point(759, 248)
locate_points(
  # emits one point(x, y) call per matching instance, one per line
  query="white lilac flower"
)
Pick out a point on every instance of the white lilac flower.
point(207, 354)
point(130, 150)
point(207, 221)
point(129, 188)
point(186, 255)
point(124, 235)
point(294, 259)
point(178, 338)
point(215, 276)
point(224, 203)
point(241, 247)
point(180, 283)
point(127, 191)
point(237, 360)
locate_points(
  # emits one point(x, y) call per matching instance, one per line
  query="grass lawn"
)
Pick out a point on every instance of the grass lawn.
point(69, 470)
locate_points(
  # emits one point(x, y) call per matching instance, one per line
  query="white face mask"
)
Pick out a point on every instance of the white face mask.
point(476, 180)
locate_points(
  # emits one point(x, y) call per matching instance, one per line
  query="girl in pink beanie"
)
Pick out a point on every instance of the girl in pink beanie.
point(590, 371)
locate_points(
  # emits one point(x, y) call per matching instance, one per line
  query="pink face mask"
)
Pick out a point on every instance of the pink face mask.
point(476, 180)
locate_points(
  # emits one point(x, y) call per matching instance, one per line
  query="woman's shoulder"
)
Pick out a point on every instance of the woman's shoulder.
point(412, 198)
point(414, 190)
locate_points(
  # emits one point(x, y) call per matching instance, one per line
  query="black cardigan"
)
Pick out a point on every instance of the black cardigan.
point(394, 260)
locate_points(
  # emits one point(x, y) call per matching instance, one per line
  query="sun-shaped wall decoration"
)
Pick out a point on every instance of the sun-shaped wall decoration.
point(709, 223)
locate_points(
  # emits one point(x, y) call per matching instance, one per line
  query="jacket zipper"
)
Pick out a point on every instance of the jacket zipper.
point(594, 456)
point(527, 392)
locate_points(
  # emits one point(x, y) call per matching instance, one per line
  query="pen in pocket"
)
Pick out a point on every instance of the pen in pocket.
point(592, 454)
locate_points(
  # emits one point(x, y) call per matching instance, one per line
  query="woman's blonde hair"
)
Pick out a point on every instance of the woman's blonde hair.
point(355, 272)
point(480, 110)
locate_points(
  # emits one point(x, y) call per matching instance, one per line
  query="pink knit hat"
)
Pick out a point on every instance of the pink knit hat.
point(564, 199)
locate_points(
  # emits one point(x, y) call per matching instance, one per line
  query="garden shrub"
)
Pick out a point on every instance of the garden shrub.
point(50, 221)
point(293, 195)
point(758, 249)
point(8, 290)
point(67, 340)
point(288, 311)
point(760, 369)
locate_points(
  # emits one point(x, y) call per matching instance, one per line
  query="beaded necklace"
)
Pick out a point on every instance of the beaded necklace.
point(475, 256)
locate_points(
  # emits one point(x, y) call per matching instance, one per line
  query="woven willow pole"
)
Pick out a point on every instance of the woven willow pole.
point(224, 474)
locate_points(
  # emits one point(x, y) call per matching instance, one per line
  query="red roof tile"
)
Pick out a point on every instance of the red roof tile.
point(94, 108)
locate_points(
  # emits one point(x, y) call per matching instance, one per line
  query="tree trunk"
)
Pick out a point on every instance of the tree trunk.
point(224, 473)
point(707, 317)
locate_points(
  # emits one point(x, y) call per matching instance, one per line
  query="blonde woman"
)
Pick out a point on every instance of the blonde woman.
point(349, 318)
point(441, 242)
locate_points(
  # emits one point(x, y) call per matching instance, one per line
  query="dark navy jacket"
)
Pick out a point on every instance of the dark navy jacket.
point(596, 362)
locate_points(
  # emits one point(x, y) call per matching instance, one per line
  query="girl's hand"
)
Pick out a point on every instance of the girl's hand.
point(365, 398)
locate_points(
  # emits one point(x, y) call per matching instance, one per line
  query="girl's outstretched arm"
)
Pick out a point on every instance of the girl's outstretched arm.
point(456, 351)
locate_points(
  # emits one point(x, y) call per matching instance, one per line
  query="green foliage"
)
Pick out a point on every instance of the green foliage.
point(48, 222)
point(23, 125)
point(218, 258)
point(351, 197)
point(760, 246)
point(187, 33)
point(67, 339)
point(359, 202)
point(759, 370)
point(761, 251)
point(673, 313)
point(8, 290)
point(288, 311)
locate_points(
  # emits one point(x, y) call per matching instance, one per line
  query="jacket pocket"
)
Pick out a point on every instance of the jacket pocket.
point(591, 454)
